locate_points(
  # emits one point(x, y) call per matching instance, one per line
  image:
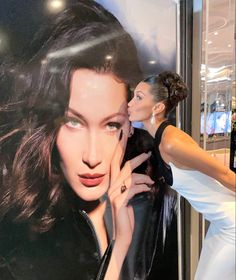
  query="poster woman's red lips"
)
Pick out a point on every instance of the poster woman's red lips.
point(91, 180)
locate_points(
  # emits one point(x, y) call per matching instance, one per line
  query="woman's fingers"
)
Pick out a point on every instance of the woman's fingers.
point(132, 181)
point(135, 162)
point(121, 175)
point(117, 158)
point(137, 179)
point(122, 199)
point(120, 190)
point(130, 165)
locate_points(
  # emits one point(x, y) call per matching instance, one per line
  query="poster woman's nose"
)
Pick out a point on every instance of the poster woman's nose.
point(92, 155)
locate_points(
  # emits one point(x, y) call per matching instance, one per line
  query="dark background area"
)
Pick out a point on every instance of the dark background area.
point(19, 22)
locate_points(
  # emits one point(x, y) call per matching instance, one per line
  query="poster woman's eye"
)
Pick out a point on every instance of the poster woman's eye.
point(73, 123)
point(113, 126)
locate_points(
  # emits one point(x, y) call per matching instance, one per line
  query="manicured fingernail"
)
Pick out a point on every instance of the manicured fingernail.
point(149, 153)
point(121, 134)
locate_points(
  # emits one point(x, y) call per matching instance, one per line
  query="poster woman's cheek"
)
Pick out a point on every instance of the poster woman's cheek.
point(90, 133)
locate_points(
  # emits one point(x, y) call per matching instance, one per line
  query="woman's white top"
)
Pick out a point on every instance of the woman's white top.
point(217, 204)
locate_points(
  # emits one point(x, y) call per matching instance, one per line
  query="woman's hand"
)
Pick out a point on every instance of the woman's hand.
point(123, 186)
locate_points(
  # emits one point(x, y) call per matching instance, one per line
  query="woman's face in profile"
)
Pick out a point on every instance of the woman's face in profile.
point(86, 142)
point(140, 107)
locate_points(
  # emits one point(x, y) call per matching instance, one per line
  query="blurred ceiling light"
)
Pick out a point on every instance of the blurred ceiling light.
point(44, 61)
point(220, 79)
point(209, 42)
point(216, 69)
point(55, 6)
point(216, 33)
point(108, 57)
point(229, 45)
point(152, 62)
point(215, 74)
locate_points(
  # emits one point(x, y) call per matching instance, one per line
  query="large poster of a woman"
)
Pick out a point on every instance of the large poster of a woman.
point(80, 197)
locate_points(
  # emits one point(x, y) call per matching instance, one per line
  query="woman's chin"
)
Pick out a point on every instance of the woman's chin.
point(131, 119)
point(134, 120)
point(91, 193)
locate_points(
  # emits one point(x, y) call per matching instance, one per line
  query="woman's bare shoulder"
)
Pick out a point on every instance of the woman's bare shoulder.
point(174, 137)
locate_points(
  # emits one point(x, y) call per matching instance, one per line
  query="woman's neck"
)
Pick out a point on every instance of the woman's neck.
point(152, 128)
point(97, 218)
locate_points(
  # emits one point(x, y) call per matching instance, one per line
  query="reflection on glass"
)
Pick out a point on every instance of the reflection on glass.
point(217, 75)
point(218, 83)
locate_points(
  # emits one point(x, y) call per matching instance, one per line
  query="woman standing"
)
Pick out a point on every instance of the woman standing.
point(204, 182)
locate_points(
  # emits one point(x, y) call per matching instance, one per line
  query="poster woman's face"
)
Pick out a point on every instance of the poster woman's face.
point(86, 141)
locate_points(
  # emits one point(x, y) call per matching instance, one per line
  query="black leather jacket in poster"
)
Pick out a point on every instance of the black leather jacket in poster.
point(71, 250)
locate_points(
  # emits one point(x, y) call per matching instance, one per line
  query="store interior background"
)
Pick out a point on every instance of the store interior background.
point(217, 77)
point(213, 95)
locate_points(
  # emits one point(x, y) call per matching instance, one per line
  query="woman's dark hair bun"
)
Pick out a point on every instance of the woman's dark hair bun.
point(177, 89)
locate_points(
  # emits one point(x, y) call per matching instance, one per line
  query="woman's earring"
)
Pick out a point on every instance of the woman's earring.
point(152, 120)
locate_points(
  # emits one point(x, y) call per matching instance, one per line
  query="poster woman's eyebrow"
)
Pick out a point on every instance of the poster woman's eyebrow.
point(77, 114)
point(118, 114)
point(74, 112)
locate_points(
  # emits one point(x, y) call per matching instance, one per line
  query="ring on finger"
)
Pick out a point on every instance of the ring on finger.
point(123, 188)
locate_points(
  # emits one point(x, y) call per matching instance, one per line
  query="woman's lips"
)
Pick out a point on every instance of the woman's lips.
point(91, 180)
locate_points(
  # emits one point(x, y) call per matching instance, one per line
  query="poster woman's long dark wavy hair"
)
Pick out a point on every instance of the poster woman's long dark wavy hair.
point(34, 97)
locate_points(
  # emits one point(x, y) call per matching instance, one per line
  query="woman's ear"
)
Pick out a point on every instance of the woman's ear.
point(158, 108)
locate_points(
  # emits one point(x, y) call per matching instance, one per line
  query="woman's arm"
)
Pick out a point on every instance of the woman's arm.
point(179, 148)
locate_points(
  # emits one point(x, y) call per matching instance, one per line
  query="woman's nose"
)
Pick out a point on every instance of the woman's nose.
point(92, 155)
point(130, 103)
